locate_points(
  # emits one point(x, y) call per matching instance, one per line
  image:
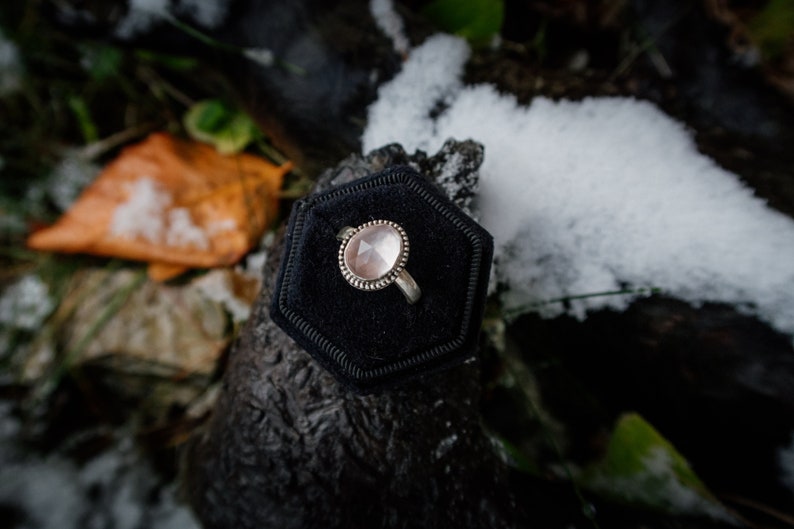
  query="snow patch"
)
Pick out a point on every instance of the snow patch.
point(390, 23)
point(147, 214)
point(114, 489)
point(218, 286)
point(429, 79)
point(143, 214)
point(26, 303)
point(593, 196)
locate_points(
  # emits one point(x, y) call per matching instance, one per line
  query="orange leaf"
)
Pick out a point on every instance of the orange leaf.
point(173, 203)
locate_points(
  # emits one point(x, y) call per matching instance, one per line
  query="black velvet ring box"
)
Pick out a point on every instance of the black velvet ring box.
point(373, 339)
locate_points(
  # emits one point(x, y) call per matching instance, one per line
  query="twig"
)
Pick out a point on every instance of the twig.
point(648, 45)
point(513, 313)
point(760, 507)
point(96, 149)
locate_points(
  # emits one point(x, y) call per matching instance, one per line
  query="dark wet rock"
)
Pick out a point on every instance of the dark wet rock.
point(287, 446)
point(717, 383)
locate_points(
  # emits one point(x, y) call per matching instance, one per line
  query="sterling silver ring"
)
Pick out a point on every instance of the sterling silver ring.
point(373, 255)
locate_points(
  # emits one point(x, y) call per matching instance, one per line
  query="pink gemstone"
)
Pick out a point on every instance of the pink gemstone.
point(373, 251)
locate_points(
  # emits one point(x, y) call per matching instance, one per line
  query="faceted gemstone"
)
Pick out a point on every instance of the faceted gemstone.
point(373, 251)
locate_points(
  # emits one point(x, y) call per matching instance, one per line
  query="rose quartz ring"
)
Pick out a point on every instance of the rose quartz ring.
point(373, 256)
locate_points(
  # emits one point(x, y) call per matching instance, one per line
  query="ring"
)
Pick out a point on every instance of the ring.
point(373, 256)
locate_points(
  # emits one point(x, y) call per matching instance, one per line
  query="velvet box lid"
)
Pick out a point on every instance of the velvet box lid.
point(373, 339)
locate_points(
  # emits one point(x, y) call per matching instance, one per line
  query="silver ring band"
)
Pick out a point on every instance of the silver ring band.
point(373, 255)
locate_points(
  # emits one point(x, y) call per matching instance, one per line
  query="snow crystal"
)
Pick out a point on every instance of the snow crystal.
point(26, 303)
point(785, 457)
point(593, 196)
point(145, 214)
point(10, 67)
point(182, 232)
point(390, 23)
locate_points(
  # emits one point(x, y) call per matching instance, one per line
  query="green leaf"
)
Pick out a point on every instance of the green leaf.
point(214, 122)
point(82, 114)
point(642, 468)
point(476, 20)
point(174, 62)
point(101, 61)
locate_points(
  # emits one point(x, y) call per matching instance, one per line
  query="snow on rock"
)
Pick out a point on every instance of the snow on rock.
point(593, 196)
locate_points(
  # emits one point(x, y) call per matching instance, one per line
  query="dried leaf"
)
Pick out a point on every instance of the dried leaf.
point(173, 203)
point(170, 329)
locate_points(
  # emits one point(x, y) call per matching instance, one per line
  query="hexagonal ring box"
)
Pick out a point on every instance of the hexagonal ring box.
point(370, 339)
